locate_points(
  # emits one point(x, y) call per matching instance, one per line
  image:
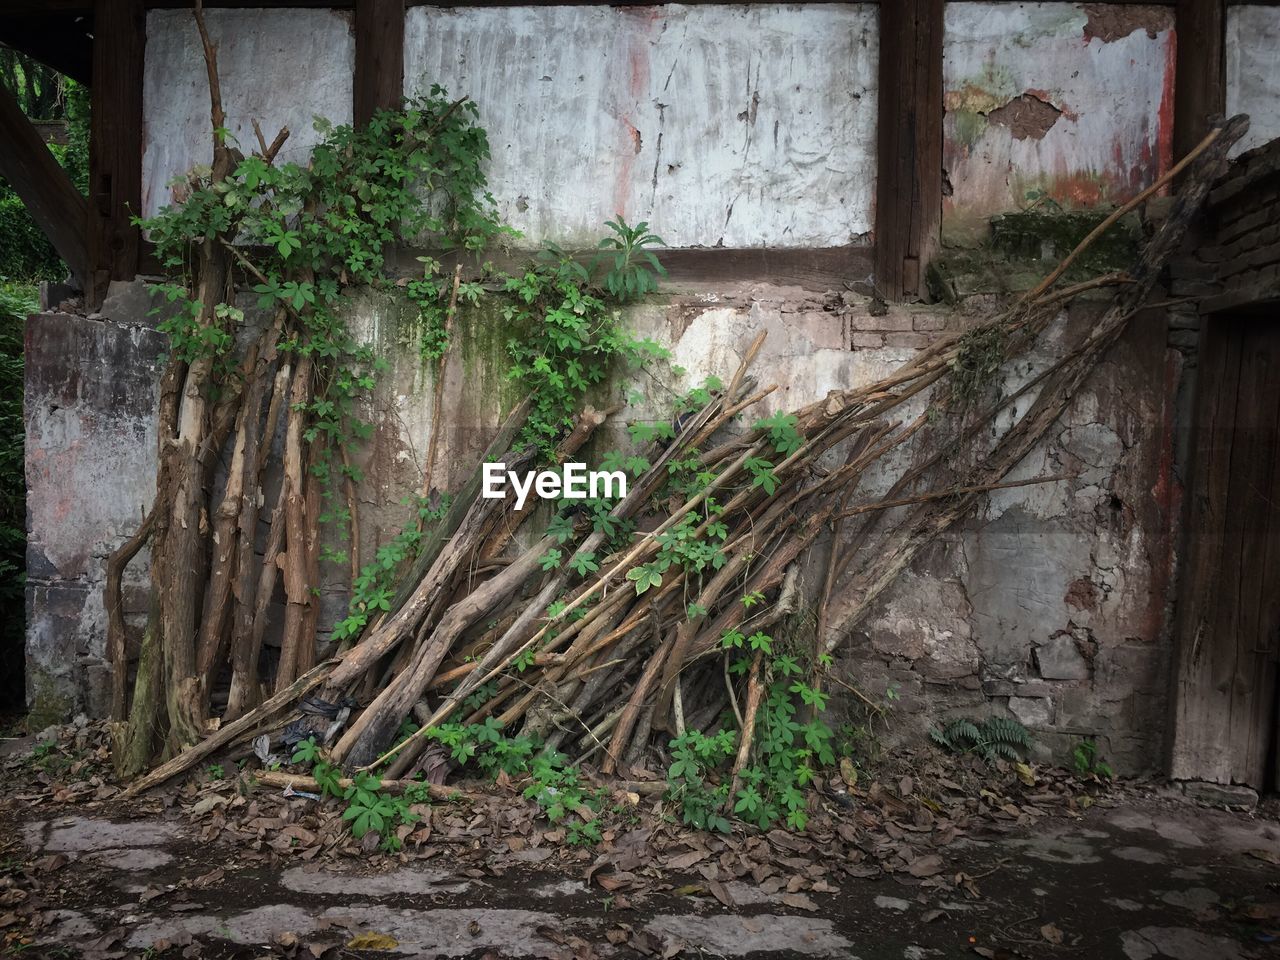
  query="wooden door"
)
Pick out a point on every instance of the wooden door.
point(1227, 609)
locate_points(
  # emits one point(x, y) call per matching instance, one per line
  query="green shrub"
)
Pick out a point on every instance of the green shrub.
point(15, 304)
point(989, 739)
point(25, 254)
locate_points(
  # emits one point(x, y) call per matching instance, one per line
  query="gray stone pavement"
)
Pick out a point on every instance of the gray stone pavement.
point(1140, 881)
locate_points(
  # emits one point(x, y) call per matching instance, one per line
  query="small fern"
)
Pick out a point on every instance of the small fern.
point(995, 737)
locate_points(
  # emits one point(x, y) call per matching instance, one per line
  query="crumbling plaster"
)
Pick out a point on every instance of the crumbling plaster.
point(89, 406)
point(1052, 103)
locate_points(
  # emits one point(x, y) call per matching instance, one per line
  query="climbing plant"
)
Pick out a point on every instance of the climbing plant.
point(242, 369)
point(301, 235)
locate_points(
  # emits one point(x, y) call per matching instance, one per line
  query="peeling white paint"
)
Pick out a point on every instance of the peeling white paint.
point(280, 67)
point(739, 126)
point(1111, 135)
point(1253, 71)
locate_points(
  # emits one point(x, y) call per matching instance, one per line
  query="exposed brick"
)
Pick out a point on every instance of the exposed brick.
point(1253, 260)
point(1228, 189)
point(1193, 288)
point(895, 320)
point(1012, 688)
point(929, 322)
point(916, 341)
point(873, 340)
point(1232, 229)
point(1192, 268)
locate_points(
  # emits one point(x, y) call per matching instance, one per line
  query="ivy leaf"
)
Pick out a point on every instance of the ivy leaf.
point(644, 578)
point(584, 563)
point(306, 751)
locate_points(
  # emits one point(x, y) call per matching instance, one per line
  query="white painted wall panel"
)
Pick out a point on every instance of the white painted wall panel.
point(1100, 76)
point(1253, 71)
point(721, 125)
point(281, 67)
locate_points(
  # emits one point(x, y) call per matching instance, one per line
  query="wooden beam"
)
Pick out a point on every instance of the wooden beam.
point(48, 193)
point(817, 269)
point(1200, 84)
point(379, 67)
point(115, 144)
point(909, 148)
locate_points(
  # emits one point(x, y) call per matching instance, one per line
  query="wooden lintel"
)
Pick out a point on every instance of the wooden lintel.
point(46, 190)
point(817, 270)
point(378, 81)
point(909, 148)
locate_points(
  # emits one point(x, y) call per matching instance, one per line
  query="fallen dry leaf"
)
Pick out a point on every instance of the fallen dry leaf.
point(1051, 933)
point(372, 941)
point(799, 901)
point(927, 866)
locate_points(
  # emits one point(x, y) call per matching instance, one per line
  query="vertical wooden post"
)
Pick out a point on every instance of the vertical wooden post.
point(1200, 86)
point(379, 68)
point(909, 145)
point(115, 144)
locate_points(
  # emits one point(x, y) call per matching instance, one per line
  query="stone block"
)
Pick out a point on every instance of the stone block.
point(1221, 794)
point(1061, 659)
point(872, 341)
point(929, 322)
point(995, 687)
point(1034, 713)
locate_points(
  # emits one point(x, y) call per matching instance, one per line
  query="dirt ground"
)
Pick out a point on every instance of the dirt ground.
point(1136, 873)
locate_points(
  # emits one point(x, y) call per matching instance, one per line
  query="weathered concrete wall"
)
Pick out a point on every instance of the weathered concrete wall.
point(282, 68)
point(1050, 600)
point(1072, 102)
point(91, 394)
point(736, 126)
point(1049, 603)
point(723, 125)
point(1253, 71)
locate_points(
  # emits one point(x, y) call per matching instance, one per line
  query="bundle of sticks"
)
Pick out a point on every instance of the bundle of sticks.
point(596, 667)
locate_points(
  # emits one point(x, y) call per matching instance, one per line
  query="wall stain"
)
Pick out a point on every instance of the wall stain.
point(1110, 22)
point(1027, 117)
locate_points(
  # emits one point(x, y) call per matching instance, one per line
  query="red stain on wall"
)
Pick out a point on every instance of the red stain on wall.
point(640, 22)
point(1164, 132)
